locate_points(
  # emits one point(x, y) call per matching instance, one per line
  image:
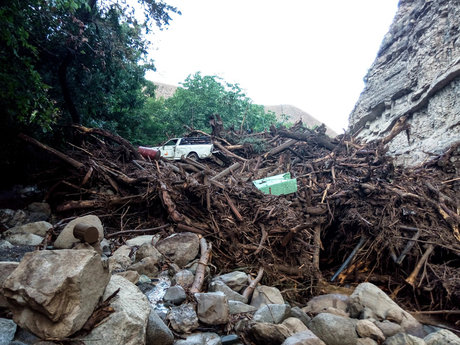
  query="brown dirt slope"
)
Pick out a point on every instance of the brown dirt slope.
point(294, 114)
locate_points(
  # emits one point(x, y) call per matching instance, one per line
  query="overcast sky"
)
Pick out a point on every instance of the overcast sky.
point(312, 54)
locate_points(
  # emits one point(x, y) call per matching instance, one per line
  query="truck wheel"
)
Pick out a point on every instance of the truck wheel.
point(193, 155)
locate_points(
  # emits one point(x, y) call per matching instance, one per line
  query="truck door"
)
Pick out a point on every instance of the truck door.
point(169, 149)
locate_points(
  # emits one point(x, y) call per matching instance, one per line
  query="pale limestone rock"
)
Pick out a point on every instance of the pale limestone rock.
point(6, 268)
point(52, 293)
point(66, 240)
point(368, 297)
point(366, 329)
point(37, 228)
point(128, 324)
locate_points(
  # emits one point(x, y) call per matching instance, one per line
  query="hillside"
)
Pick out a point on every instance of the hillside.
point(293, 113)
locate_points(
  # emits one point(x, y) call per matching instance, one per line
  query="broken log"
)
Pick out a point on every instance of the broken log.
point(76, 164)
point(413, 276)
point(202, 264)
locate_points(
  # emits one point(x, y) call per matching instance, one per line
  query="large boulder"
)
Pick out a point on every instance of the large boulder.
point(212, 308)
point(52, 293)
point(157, 332)
point(442, 337)
point(66, 239)
point(266, 295)
point(303, 338)
point(181, 248)
point(368, 299)
point(333, 329)
point(269, 333)
point(7, 331)
point(320, 304)
point(235, 280)
point(37, 228)
point(128, 324)
point(6, 268)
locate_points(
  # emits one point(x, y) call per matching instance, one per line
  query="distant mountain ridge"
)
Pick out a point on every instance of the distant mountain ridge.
point(292, 113)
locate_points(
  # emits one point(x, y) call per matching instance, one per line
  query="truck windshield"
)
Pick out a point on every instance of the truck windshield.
point(172, 142)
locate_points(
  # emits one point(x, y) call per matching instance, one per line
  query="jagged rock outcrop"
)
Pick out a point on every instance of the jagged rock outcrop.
point(415, 82)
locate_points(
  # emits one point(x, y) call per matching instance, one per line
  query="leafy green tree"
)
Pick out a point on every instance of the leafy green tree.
point(200, 97)
point(79, 61)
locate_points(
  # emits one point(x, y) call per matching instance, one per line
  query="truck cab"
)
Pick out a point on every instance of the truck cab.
point(191, 147)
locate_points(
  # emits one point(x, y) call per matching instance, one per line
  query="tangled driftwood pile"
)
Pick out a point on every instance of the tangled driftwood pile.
point(354, 218)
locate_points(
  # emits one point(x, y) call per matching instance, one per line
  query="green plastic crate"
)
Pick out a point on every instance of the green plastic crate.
point(277, 185)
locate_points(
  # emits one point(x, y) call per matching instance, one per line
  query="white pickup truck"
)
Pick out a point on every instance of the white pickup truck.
point(192, 147)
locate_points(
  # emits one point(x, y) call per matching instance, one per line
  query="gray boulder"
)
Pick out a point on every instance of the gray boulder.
point(303, 338)
point(175, 295)
point(147, 266)
point(128, 324)
point(183, 319)
point(132, 276)
point(148, 250)
point(120, 259)
point(366, 329)
point(404, 339)
point(184, 278)
point(7, 331)
point(442, 337)
point(235, 280)
point(53, 292)
point(212, 308)
point(6, 268)
point(37, 228)
point(220, 286)
point(141, 240)
point(319, 304)
point(266, 295)
point(272, 313)
point(300, 314)
point(206, 338)
point(66, 240)
point(369, 299)
point(20, 239)
point(388, 328)
point(269, 333)
point(295, 325)
point(333, 329)
point(157, 332)
point(236, 307)
point(181, 248)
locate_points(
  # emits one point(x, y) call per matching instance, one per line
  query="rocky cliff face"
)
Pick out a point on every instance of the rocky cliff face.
point(415, 81)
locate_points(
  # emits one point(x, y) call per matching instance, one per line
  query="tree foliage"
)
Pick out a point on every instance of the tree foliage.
point(199, 98)
point(74, 61)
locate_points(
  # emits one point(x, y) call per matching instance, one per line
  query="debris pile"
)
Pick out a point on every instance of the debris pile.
point(355, 216)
